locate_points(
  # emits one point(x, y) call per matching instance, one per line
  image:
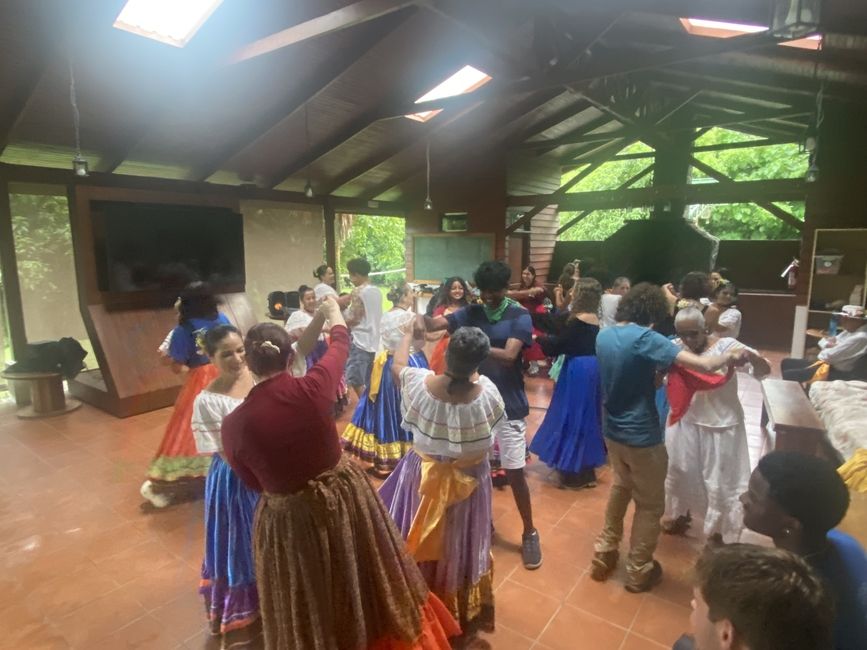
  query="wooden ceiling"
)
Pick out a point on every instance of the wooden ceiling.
point(573, 80)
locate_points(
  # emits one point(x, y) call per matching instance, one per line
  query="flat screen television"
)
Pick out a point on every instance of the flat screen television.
point(162, 248)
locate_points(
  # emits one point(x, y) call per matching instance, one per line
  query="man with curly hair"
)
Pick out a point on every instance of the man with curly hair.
point(629, 355)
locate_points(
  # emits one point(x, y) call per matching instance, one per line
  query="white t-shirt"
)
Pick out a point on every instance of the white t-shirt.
point(608, 308)
point(209, 410)
point(849, 347)
point(730, 319)
point(365, 335)
point(719, 407)
point(321, 290)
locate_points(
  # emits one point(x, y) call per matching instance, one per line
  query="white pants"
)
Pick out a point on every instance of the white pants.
point(512, 438)
point(708, 470)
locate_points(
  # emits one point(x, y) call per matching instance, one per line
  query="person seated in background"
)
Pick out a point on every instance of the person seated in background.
point(611, 299)
point(754, 598)
point(708, 455)
point(722, 316)
point(531, 296)
point(841, 356)
point(797, 500)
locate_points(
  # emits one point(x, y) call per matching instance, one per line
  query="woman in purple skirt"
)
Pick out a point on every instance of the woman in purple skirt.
point(440, 493)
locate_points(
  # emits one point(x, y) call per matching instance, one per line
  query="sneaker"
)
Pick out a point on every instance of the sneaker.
point(603, 565)
point(645, 582)
point(531, 550)
point(678, 526)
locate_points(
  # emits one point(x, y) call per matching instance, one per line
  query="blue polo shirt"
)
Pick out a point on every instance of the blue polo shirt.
point(507, 377)
point(187, 346)
point(628, 357)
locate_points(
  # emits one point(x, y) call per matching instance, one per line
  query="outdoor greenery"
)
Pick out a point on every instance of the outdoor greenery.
point(733, 221)
point(380, 240)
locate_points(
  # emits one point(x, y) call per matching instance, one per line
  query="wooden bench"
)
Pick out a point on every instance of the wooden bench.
point(787, 407)
point(46, 397)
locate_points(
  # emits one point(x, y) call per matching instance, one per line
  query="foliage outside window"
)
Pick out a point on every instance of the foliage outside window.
point(725, 221)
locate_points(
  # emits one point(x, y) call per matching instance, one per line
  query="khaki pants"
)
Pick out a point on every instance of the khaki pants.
point(639, 475)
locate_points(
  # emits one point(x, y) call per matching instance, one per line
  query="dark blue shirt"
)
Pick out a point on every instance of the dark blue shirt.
point(507, 377)
point(187, 340)
point(844, 568)
point(628, 357)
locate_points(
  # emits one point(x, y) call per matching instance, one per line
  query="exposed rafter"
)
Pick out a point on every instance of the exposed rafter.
point(725, 146)
point(299, 96)
point(602, 67)
point(583, 215)
point(16, 102)
point(348, 16)
point(786, 189)
point(516, 112)
point(723, 179)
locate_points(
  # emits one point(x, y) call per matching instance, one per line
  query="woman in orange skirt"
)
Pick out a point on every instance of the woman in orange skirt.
point(451, 296)
point(177, 472)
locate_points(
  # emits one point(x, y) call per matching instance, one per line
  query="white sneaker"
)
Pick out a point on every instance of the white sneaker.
point(533, 370)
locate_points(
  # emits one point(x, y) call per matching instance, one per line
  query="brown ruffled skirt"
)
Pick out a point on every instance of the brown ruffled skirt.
point(333, 571)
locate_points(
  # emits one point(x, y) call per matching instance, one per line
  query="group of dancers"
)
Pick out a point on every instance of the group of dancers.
point(303, 552)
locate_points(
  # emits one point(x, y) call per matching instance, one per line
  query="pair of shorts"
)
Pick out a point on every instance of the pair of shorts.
point(358, 366)
point(511, 436)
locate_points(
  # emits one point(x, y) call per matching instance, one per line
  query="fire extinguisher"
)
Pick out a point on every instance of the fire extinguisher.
point(791, 273)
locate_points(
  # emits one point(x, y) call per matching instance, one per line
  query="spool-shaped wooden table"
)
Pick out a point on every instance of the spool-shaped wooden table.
point(47, 398)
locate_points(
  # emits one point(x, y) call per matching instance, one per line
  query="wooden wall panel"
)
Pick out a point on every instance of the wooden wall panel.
point(528, 174)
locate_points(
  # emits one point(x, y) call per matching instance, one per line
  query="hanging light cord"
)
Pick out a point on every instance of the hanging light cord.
point(427, 161)
point(76, 116)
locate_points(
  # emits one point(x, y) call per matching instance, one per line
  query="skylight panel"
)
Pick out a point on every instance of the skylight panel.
point(465, 80)
point(722, 29)
point(168, 21)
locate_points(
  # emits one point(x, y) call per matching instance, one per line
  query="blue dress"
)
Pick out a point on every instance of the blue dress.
point(570, 437)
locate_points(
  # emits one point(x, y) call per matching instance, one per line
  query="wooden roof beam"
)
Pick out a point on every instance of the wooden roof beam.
point(725, 146)
point(583, 215)
point(778, 212)
point(785, 189)
point(14, 105)
point(343, 18)
point(299, 96)
point(696, 48)
point(518, 111)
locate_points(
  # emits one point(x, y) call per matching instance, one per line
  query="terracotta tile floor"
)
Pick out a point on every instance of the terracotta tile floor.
point(83, 567)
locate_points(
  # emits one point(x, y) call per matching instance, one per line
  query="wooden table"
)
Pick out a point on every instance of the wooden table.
point(46, 394)
point(787, 407)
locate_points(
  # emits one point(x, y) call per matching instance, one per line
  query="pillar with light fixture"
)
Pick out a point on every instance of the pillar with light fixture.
point(793, 19)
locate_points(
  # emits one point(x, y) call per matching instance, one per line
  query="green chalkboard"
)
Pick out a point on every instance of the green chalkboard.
point(436, 257)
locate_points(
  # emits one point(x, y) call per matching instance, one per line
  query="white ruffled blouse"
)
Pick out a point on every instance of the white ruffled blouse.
point(209, 410)
point(444, 429)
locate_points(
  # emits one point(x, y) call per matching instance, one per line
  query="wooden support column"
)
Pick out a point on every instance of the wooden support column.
point(671, 167)
point(331, 240)
point(9, 269)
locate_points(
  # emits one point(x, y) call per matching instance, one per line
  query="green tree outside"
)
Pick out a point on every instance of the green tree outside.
point(730, 221)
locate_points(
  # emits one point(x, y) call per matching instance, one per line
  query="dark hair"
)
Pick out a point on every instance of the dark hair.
point(568, 269)
point(396, 292)
point(725, 285)
point(807, 488)
point(197, 301)
point(320, 271)
point(694, 285)
point(620, 279)
point(468, 347)
point(771, 597)
point(566, 283)
point(531, 269)
point(302, 290)
point(442, 297)
point(215, 335)
point(722, 270)
point(269, 348)
point(588, 294)
point(358, 266)
point(492, 276)
point(645, 304)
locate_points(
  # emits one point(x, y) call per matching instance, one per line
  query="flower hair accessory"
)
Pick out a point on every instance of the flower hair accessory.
point(267, 345)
